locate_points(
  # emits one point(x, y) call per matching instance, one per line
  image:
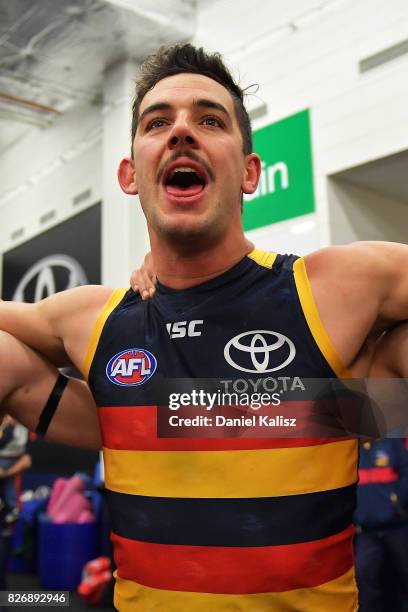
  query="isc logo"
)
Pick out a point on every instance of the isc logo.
point(131, 367)
point(180, 329)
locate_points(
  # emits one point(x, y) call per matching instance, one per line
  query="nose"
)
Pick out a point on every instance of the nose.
point(182, 134)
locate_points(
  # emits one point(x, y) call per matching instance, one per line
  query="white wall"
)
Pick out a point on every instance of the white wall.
point(46, 170)
point(314, 63)
point(80, 152)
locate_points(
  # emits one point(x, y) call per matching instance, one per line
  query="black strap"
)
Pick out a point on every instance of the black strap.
point(51, 405)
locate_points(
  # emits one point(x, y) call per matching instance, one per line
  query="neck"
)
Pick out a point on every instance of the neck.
point(181, 269)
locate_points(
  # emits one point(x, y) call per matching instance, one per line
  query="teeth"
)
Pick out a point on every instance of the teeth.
point(171, 177)
point(183, 169)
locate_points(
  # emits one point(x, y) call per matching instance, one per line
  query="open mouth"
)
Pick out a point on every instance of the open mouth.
point(184, 181)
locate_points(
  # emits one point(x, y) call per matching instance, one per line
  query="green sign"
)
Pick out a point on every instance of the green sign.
point(285, 187)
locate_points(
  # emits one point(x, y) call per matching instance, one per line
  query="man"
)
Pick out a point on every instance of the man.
point(13, 442)
point(224, 523)
point(13, 461)
point(381, 515)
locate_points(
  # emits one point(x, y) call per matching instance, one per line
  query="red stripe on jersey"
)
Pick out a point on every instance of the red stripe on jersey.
point(234, 570)
point(135, 428)
point(377, 475)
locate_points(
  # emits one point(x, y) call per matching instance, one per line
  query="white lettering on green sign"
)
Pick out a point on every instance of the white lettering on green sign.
point(267, 180)
point(285, 188)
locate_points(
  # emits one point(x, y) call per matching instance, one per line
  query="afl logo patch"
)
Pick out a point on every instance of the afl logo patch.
point(131, 367)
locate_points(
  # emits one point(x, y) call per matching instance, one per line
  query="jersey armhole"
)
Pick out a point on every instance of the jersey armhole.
point(114, 299)
point(314, 322)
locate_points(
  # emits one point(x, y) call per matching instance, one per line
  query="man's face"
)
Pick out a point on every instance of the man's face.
point(189, 165)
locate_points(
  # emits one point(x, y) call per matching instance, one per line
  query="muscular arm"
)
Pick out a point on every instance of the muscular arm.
point(361, 290)
point(59, 326)
point(25, 385)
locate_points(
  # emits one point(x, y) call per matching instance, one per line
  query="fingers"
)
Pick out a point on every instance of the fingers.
point(141, 281)
point(133, 280)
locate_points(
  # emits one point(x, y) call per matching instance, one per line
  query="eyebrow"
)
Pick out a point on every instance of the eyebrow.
point(204, 103)
point(165, 106)
point(159, 106)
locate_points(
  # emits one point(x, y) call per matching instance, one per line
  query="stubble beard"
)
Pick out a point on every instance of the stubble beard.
point(190, 236)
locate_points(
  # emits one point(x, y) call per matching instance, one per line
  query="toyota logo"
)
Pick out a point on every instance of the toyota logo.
point(259, 345)
point(41, 279)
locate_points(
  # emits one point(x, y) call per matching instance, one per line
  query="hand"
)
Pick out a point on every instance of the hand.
point(143, 279)
point(3, 473)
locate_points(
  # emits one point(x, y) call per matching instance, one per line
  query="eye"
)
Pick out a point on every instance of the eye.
point(212, 121)
point(156, 123)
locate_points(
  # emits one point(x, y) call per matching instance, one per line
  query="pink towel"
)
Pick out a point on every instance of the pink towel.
point(71, 486)
point(72, 510)
point(57, 489)
point(86, 516)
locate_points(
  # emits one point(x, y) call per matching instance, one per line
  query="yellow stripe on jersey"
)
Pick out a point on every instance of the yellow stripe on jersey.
point(263, 258)
point(314, 321)
point(114, 299)
point(231, 474)
point(338, 594)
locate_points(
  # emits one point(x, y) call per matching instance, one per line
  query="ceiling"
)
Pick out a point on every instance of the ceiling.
point(53, 53)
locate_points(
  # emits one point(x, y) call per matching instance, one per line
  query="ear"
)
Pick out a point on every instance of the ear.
point(252, 173)
point(126, 176)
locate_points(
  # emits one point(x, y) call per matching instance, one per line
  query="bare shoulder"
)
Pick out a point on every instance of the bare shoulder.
point(73, 317)
point(348, 278)
point(49, 311)
point(373, 260)
point(377, 256)
point(373, 270)
point(357, 292)
point(58, 325)
point(81, 305)
point(86, 296)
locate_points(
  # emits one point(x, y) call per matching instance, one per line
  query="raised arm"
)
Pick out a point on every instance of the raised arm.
point(26, 382)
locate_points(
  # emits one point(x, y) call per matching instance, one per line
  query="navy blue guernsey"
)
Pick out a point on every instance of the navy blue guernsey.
point(272, 510)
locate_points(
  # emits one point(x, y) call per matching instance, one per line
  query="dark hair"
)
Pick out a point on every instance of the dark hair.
point(177, 59)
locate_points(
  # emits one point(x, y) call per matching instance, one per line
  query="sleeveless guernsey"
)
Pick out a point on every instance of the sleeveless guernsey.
point(225, 524)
